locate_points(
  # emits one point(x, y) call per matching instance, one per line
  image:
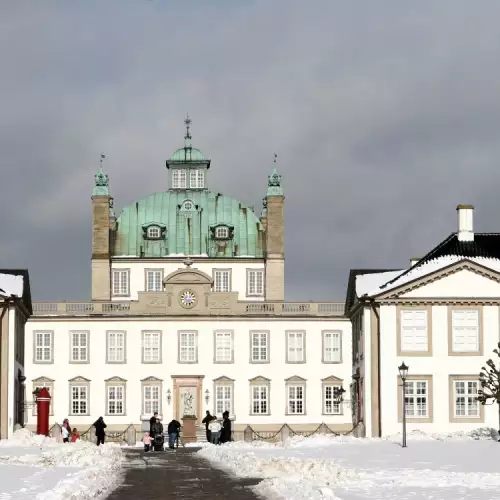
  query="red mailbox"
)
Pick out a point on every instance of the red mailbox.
point(43, 407)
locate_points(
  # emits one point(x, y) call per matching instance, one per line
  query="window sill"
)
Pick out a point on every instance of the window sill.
point(79, 362)
point(253, 362)
point(465, 353)
point(116, 362)
point(43, 362)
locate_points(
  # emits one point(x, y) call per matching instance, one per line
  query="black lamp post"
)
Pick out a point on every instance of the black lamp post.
point(403, 373)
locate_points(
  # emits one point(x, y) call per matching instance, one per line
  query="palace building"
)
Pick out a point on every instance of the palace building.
point(188, 304)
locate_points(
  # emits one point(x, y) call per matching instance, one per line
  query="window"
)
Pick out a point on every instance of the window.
point(188, 352)
point(465, 337)
point(38, 385)
point(197, 179)
point(187, 206)
point(413, 331)
point(154, 280)
point(116, 400)
point(332, 347)
point(331, 404)
point(222, 280)
point(179, 179)
point(115, 347)
point(221, 232)
point(295, 347)
point(295, 399)
point(223, 346)
point(223, 390)
point(259, 347)
point(44, 347)
point(417, 398)
point(255, 282)
point(259, 396)
point(151, 347)
point(79, 396)
point(151, 398)
point(465, 404)
point(153, 233)
point(79, 347)
point(121, 282)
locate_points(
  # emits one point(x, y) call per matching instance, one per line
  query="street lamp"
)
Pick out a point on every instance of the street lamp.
point(403, 373)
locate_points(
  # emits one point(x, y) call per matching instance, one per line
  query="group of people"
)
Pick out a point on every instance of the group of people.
point(217, 433)
point(71, 436)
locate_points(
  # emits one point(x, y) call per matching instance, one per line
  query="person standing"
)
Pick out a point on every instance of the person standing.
point(152, 421)
point(173, 429)
point(99, 430)
point(214, 428)
point(208, 418)
point(65, 431)
point(225, 434)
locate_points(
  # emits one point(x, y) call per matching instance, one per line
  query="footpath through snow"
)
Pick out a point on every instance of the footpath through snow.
point(437, 466)
point(38, 467)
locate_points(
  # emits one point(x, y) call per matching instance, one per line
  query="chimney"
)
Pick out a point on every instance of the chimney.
point(465, 227)
point(414, 260)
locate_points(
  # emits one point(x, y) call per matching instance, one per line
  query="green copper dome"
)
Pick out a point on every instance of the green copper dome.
point(187, 154)
point(188, 222)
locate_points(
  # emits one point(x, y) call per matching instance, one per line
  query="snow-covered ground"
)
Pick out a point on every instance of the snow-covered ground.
point(39, 468)
point(437, 467)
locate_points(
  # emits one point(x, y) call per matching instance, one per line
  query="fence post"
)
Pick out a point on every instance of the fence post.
point(55, 431)
point(248, 434)
point(322, 428)
point(285, 433)
point(130, 435)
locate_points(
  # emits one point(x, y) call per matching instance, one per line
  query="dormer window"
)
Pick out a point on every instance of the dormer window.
point(196, 179)
point(179, 179)
point(222, 232)
point(154, 231)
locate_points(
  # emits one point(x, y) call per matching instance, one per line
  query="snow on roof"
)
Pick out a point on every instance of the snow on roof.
point(11, 284)
point(419, 271)
point(365, 283)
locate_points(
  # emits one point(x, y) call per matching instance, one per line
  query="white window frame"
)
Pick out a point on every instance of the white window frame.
point(154, 280)
point(414, 330)
point(179, 179)
point(151, 403)
point(296, 399)
point(222, 280)
point(82, 350)
point(153, 232)
point(331, 346)
point(260, 395)
point(255, 282)
point(223, 398)
point(223, 346)
point(329, 400)
point(188, 346)
point(468, 395)
point(79, 387)
point(221, 233)
point(151, 346)
point(121, 282)
point(113, 346)
point(465, 326)
point(415, 391)
point(259, 345)
point(116, 388)
point(197, 179)
point(295, 346)
point(40, 350)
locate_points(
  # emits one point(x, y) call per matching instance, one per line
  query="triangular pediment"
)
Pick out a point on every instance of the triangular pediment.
point(332, 379)
point(223, 379)
point(463, 279)
point(115, 379)
point(260, 380)
point(79, 379)
point(188, 276)
point(295, 378)
point(43, 380)
point(151, 379)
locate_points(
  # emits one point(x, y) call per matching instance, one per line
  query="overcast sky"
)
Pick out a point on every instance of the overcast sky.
point(385, 115)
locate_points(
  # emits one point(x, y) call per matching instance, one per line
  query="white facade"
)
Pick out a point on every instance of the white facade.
point(291, 348)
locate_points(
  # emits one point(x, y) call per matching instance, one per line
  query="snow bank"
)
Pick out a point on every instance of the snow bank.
point(99, 466)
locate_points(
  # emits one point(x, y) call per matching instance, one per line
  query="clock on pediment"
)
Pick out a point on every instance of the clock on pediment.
point(187, 298)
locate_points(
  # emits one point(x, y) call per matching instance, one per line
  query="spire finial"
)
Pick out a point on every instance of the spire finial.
point(101, 179)
point(275, 157)
point(187, 136)
point(101, 161)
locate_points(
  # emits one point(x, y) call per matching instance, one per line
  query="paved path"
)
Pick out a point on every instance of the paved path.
point(177, 474)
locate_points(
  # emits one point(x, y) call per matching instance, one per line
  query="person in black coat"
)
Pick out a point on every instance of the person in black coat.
point(152, 420)
point(99, 430)
point(225, 433)
point(173, 429)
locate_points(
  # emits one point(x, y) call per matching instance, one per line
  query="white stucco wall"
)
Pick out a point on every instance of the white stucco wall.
point(238, 273)
point(313, 370)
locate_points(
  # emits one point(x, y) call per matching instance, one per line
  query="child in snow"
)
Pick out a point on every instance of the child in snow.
point(75, 436)
point(147, 441)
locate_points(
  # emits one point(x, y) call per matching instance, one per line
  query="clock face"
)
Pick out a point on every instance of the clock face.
point(187, 299)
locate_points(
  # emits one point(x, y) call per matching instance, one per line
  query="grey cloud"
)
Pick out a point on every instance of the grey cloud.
point(385, 116)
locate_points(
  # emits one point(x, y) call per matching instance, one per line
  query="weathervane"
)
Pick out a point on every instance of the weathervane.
point(103, 157)
point(275, 157)
point(187, 121)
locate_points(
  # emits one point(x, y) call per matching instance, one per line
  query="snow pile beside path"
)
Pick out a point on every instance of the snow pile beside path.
point(100, 465)
point(289, 477)
point(481, 433)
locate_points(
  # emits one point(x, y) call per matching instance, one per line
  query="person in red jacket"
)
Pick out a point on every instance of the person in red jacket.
point(74, 435)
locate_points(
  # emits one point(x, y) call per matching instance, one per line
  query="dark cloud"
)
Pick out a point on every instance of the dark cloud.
point(385, 116)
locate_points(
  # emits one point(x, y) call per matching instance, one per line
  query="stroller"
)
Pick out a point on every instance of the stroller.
point(159, 442)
